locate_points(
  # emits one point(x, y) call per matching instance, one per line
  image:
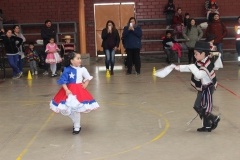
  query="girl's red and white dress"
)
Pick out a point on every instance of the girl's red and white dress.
point(53, 57)
point(80, 100)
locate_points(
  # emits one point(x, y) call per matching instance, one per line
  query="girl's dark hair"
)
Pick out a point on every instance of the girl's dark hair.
point(15, 27)
point(110, 21)
point(1, 11)
point(131, 19)
point(238, 18)
point(70, 56)
point(189, 26)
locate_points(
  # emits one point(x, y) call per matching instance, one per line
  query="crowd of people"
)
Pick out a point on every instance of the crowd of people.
point(53, 55)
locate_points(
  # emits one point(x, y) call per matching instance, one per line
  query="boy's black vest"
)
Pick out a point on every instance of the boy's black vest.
point(208, 68)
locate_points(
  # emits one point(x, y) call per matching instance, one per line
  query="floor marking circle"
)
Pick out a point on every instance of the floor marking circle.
point(139, 146)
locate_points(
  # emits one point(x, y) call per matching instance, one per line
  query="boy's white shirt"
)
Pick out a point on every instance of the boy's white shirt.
point(200, 74)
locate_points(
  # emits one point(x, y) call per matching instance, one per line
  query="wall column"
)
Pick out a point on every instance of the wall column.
point(82, 28)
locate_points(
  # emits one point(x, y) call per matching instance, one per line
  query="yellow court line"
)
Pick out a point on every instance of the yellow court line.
point(34, 137)
point(140, 146)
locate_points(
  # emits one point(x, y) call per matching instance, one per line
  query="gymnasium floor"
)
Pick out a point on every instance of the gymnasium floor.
point(141, 118)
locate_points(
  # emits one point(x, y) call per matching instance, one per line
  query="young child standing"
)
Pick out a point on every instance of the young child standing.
point(32, 58)
point(168, 48)
point(73, 97)
point(67, 47)
point(52, 56)
point(205, 82)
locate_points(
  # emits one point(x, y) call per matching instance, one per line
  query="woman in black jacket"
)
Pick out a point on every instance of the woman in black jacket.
point(110, 43)
point(12, 44)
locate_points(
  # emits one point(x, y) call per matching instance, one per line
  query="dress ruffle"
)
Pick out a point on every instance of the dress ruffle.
point(73, 105)
point(79, 101)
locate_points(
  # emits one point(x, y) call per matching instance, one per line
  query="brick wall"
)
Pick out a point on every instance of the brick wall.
point(37, 11)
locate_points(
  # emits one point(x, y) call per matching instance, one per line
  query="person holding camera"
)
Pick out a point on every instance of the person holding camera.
point(132, 35)
point(110, 44)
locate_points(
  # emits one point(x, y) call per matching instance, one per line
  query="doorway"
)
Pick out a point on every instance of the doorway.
point(119, 13)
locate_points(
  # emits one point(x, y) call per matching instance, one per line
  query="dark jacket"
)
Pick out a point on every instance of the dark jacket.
point(165, 40)
point(218, 29)
point(132, 39)
point(187, 21)
point(177, 19)
point(171, 10)
point(47, 33)
point(10, 45)
point(105, 37)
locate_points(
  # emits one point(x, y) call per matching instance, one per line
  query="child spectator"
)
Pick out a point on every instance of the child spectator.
point(1, 19)
point(167, 47)
point(66, 48)
point(169, 11)
point(52, 56)
point(32, 58)
point(186, 19)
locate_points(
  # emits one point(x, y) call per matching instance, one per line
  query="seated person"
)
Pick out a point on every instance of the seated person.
point(167, 48)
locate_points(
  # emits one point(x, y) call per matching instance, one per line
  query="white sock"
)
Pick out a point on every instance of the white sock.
point(77, 121)
point(72, 117)
point(53, 68)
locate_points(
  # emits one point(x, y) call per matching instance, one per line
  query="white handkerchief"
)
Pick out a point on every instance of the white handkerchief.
point(165, 71)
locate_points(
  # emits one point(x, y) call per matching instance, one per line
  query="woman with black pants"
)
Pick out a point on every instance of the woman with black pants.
point(12, 44)
point(132, 43)
point(110, 43)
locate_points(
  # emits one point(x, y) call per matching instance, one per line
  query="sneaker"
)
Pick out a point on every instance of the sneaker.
point(15, 77)
point(53, 75)
point(167, 27)
point(215, 123)
point(204, 129)
point(45, 73)
point(127, 73)
point(20, 74)
point(36, 72)
point(32, 74)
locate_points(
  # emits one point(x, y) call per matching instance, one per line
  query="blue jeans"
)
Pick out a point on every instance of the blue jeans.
point(110, 58)
point(13, 61)
point(20, 63)
point(219, 48)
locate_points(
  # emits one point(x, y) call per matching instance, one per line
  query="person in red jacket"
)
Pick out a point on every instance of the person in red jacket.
point(178, 24)
point(237, 37)
point(219, 30)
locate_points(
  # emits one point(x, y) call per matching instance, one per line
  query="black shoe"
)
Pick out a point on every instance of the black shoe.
point(127, 73)
point(76, 132)
point(137, 73)
point(204, 129)
point(215, 123)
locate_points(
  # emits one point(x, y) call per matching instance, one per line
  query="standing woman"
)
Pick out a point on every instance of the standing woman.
point(12, 44)
point(237, 37)
point(132, 34)
point(16, 32)
point(110, 43)
point(192, 33)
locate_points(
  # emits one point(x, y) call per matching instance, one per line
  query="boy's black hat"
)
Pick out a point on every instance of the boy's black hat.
point(210, 37)
point(202, 46)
